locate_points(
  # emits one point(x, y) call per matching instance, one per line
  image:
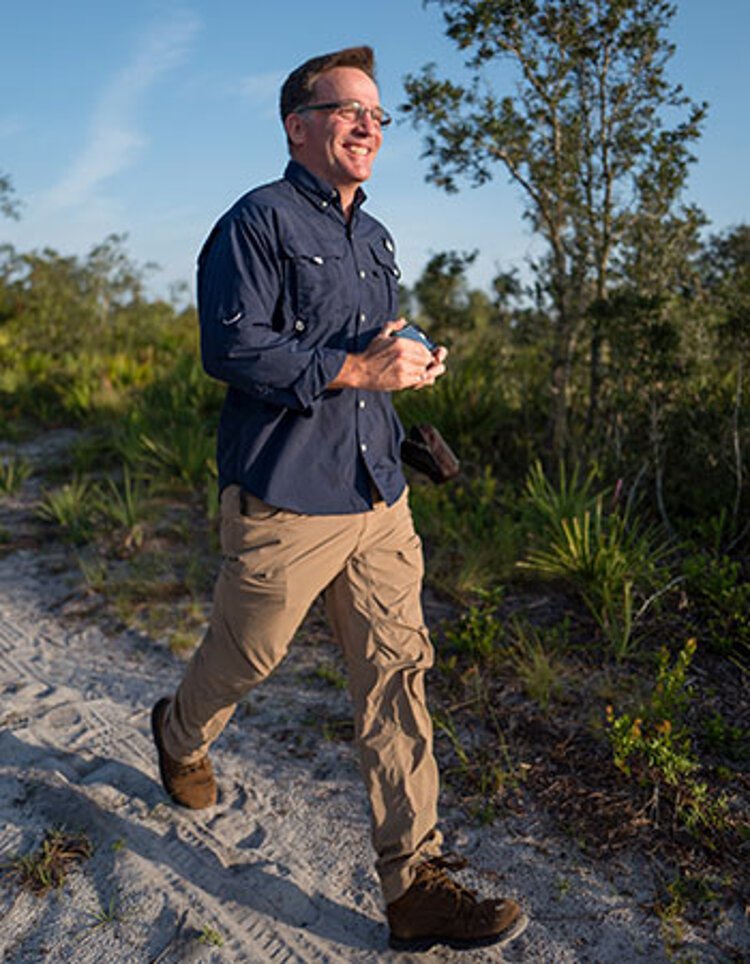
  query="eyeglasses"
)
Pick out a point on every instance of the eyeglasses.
point(351, 110)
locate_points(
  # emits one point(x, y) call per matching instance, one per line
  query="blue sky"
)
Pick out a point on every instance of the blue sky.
point(150, 117)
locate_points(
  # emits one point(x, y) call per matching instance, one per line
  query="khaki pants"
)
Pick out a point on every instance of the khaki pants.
point(369, 568)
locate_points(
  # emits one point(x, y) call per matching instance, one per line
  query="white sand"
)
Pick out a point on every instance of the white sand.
point(281, 868)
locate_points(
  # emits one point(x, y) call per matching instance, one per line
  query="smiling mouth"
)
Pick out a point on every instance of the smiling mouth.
point(358, 150)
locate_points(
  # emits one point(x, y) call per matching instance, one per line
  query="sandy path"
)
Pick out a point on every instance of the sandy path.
point(281, 868)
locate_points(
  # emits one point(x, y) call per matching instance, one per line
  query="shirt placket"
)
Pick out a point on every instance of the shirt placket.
point(360, 401)
point(363, 415)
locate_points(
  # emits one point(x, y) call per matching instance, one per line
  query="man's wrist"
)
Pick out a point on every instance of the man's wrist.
point(350, 373)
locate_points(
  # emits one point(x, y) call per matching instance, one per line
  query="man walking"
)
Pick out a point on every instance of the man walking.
point(298, 297)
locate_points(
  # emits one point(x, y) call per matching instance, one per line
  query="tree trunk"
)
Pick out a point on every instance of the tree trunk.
point(557, 428)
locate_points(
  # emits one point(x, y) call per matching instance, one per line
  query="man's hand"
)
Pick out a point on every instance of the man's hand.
point(390, 364)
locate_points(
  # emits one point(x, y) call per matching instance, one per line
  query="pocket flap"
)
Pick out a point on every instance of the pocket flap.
point(316, 253)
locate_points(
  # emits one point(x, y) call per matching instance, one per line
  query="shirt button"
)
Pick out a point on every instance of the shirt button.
point(299, 325)
point(362, 403)
point(317, 259)
point(363, 447)
point(324, 204)
point(388, 245)
point(362, 316)
point(362, 273)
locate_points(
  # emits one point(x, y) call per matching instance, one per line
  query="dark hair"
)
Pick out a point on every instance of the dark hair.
point(297, 89)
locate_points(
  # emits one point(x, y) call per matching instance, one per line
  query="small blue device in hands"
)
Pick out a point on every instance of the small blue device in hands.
point(415, 333)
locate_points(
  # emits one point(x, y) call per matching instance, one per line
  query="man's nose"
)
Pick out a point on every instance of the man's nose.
point(368, 123)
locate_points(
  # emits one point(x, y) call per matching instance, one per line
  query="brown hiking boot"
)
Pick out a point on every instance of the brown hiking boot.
point(189, 784)
point(437, 910)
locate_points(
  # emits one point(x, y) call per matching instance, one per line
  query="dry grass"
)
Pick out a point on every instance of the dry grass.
point(47, 868)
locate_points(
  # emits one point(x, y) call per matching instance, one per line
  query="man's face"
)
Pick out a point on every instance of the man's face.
point(340, 152)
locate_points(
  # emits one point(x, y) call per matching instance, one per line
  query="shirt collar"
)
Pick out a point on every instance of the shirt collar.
point(317, 189)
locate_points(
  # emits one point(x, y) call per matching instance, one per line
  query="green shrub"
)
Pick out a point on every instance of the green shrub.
point(731, 741)
point(654, 745)
point(73, 508)
point(182, 453)
point(535, 664)
point(126, 506)
point(473, 541)
point(182, 393)
point(547, 504)
point(14, 471)
point(478, 633)
point(720, 601)
point(607, 555)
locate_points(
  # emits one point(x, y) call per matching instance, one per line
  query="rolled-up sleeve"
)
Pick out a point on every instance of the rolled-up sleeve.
point(240, 282)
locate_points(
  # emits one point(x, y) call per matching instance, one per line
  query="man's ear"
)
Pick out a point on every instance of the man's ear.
point(295, 129)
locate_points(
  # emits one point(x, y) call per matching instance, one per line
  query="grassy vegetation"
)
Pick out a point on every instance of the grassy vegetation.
point(47, 867)
point(209, 935)
point(108, 913)
point(14, 472)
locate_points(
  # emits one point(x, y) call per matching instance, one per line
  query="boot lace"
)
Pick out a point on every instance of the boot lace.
point(186, 768)
point(433, 877)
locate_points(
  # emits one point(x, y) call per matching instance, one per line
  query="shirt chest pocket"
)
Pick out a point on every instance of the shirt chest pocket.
point(316, 289)
point(385, 274)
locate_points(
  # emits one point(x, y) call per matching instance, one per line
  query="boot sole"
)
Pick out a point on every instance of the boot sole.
point(419, 944)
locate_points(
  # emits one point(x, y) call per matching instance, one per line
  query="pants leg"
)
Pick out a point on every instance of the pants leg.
point(275, 564)
point(375, 609)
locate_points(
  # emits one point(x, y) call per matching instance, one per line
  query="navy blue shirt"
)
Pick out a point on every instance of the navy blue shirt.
point(286, 288)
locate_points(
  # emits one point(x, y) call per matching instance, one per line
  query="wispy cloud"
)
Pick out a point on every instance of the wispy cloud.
point(261, 91)
point(260, 88)
point(114, 139)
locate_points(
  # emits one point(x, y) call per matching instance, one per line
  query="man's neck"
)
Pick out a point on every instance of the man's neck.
point(346, 196)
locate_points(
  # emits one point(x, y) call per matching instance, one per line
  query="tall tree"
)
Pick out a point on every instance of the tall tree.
point(442, 291)
point(9, 205)
point(584, 135)
point(725, 271)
